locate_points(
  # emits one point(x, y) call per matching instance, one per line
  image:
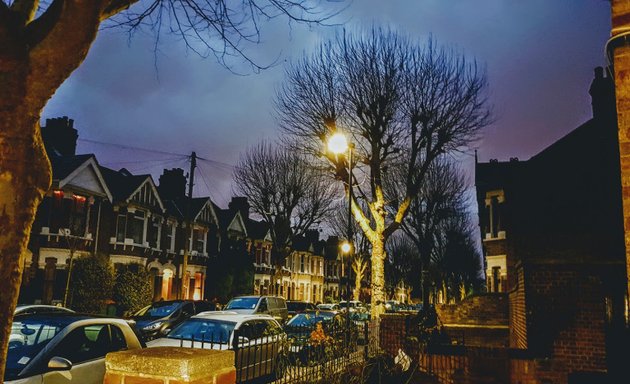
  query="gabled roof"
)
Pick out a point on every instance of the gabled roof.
point(257, 230)
point(198, 209)
point(125, 185)
point(79, 171)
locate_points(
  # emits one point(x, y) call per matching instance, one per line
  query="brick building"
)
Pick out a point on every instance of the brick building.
point(552, 230)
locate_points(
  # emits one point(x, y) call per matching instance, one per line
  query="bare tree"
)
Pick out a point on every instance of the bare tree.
point(441, 199)
point(455, 260)
point(360, 263)
point(402, 258)
point(398, 100)
point(285, 190)
point(42, 43)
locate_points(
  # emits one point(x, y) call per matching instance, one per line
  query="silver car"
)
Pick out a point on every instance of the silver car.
point(64, 348)
point(258, 347)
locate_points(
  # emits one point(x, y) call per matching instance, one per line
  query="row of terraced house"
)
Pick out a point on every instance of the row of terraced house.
point(93, 210)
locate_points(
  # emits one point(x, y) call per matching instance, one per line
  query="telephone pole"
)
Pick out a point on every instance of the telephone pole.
point(183, 292)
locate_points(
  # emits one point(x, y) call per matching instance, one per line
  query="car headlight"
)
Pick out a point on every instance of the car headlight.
point(153, 326)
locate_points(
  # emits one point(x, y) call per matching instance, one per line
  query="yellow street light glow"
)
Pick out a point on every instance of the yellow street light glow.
point(346, 247)
point(338, 143)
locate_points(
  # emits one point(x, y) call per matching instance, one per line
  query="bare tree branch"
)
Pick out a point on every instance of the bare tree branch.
point(404, 104)
point(288, 193)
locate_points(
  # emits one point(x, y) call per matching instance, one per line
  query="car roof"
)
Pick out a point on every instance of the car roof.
point(230, 316)
point(24, 307)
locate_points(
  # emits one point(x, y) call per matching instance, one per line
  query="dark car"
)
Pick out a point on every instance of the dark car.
point(313, 335)
point(295, 307)
point(156, 319)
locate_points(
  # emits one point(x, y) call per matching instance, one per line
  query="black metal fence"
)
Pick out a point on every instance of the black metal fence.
point(323, 353)
point(304, 354)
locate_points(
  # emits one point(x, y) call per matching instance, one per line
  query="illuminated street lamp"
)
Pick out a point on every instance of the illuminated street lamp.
point(338, 144)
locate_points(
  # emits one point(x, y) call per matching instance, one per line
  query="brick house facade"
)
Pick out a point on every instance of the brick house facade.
point(552, 232)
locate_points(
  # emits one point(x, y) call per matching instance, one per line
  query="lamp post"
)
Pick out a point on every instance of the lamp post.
point(338, 144)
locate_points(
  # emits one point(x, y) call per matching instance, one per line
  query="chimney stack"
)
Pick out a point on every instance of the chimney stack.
point(602, 93)
point(240, 203)
point(60, 137)
point(172, 184)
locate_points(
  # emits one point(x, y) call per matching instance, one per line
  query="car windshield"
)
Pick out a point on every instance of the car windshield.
point(29, 335)
point(309, 319)
point(296, 306)
point(242, 303)
point(214, 331)
point(158, 310)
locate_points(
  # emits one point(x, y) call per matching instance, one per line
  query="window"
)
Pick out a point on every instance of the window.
point(259, 259)
point(121, 227)
point(90, 342)
point(77, 215)
point(154, 233)
point(302, 263)
point(199, 240)
point(170, 236)
point(135, 226)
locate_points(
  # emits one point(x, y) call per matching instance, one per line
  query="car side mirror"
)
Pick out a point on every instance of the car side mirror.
point(59, 364)
point(166, 331)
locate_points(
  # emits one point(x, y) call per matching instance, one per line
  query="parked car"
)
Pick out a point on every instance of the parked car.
point(295, 307)
point(328, 307)
point(352, 304)
point(154, 320)
point(259, 305)
point(64, 348)
point(310, 344)
point(259, 340)
point(30, 309)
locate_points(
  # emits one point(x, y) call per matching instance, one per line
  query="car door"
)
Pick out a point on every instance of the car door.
point(245, 351)
point(86, 347)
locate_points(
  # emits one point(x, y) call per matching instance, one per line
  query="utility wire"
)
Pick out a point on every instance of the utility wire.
point(218, 164)
point(132, 147)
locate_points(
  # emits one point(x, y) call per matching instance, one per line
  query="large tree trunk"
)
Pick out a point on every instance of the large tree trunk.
point(378, 275)
point(357, 286)
point(34, 62)
point(25, 176)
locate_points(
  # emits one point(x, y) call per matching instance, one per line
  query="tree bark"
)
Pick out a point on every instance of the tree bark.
point(378, 275)
point(34, 61)
point(25, 176)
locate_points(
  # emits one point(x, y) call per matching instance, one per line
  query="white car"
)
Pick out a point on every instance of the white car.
point(31, 309)
point(328, 307)
point(354, 305)
point(259, 340)
point(64, 348)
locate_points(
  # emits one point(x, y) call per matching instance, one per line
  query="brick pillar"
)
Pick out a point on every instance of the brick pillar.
point(170, 365)
point(621, 59)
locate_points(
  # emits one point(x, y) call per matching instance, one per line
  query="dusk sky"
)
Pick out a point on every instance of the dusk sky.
point(539, 56)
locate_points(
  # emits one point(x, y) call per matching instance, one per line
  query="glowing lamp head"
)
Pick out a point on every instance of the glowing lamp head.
point(346, 247)
point(338, 143)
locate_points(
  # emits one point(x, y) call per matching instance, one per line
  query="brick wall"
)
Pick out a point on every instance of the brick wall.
point(621, 59)
point(488, 309)
point(518, 319)
point(170, 365)
point(567, 322)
